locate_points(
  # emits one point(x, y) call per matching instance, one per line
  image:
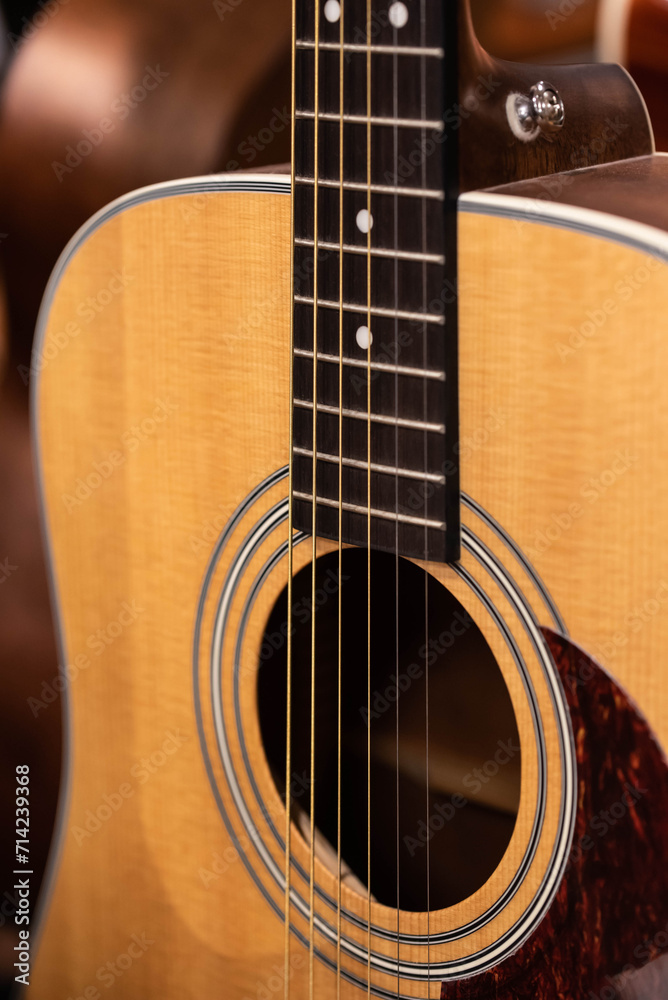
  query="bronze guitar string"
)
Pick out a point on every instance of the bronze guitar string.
point(368, 478)
point(288, 693)
point(395, 151)
point(314, 503)
point(317, 118)
point(340, 524)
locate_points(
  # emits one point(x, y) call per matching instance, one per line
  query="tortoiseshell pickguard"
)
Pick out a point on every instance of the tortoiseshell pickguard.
point(605, 937)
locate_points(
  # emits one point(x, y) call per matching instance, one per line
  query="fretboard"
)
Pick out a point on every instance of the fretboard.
point(386, 430)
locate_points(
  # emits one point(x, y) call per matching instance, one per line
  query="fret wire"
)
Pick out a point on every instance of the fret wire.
point(388, 515)
point(389, 470)
point(408, 50)
point(379, 366)
point(429, 258)
point(378, 418)
point(316, 305)
point(327, 116)
point(377, 189)
point(374, 310)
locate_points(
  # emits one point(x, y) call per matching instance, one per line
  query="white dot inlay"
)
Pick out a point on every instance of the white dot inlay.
point(332, 11)
point(364, 337)
point(364, 220)
point(398, 14)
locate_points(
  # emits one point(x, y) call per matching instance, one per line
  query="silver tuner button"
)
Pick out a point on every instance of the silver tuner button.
point(543, 109)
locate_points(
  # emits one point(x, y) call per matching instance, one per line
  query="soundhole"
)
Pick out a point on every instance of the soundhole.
point(445, 753)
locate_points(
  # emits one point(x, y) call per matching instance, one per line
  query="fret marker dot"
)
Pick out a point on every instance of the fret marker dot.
point(332, 11)
point(364, 221)
point(398, 14)
point(364, 337)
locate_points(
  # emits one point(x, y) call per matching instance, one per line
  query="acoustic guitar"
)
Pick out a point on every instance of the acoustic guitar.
point(353, 494)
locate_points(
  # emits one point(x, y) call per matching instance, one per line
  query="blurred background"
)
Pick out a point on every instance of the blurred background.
point(184, 87)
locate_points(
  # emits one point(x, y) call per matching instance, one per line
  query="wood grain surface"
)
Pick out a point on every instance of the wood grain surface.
point(154, 424)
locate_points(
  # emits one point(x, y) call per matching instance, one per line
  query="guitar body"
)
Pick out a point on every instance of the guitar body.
point(162, 435)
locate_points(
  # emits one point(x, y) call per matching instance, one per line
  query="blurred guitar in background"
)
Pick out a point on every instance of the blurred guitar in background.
point(635, 34)
point(205, 81)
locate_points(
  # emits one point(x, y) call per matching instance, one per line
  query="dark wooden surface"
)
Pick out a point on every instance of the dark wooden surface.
point(407, 159)
point(605, 117)
point(515, 29)
point(635, 189)
point(647, 60)
point(606, 933)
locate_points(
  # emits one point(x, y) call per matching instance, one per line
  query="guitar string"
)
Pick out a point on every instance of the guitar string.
point(395, 150)
point(423, 113)
point(290, 513)
point(314, 510)
point(316, 109)
point(340, 551)
point(288, 693)
point(368, 478)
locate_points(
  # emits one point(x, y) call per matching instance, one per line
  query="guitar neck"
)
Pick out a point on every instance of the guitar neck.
point(375, 281)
